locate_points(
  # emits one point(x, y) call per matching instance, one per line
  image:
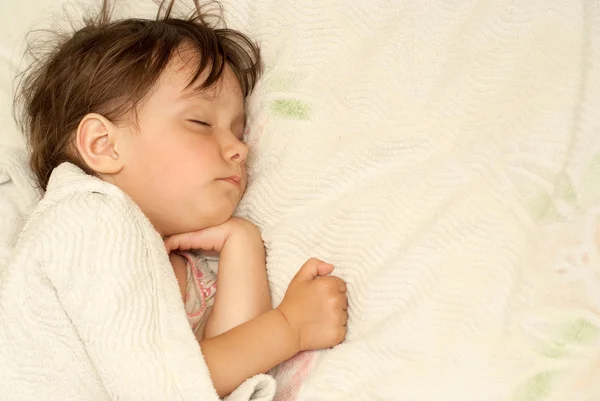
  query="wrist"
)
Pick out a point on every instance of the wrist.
point(292, 332)
point(245, 238)
point(242, 229)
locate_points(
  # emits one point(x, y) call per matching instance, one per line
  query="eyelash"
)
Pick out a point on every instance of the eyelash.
point(205, 124)
point(201, 123)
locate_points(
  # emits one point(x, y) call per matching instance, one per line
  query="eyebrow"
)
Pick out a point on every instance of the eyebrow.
point(190, 94)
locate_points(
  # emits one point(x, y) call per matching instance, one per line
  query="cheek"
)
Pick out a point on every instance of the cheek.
point(191, 156)
point(196, 168)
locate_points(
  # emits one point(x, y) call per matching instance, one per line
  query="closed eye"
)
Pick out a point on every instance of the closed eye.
point(199, 122)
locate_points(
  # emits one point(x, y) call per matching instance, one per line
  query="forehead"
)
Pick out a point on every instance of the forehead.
point(180, 71)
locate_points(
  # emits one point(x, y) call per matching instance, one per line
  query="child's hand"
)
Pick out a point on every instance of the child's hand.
point(315, 305)
point(243, 290)
point(212, 239)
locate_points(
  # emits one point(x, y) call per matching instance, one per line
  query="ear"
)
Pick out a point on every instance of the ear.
point(97, 143)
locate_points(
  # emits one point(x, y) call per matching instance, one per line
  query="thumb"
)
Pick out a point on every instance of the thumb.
point(312, 269)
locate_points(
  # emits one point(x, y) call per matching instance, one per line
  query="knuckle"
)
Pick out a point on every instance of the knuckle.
point(339, 282)
point(323, 284)
point(341, 335)
point(337, 335)
point(333, 335)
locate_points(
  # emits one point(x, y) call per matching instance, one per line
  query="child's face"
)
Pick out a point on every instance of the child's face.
point(186, 167)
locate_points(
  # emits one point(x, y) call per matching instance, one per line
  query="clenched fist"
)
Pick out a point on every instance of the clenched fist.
point(315, 305)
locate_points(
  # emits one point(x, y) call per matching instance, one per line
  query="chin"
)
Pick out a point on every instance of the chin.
point(216, 219)
point(202, 220)
point(221, 220)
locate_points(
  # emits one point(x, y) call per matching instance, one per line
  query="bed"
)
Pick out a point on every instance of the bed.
point(445, 157)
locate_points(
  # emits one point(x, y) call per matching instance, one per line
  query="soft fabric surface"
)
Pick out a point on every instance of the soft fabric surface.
point(445, 156)
point(17, 197)
point(90, 308)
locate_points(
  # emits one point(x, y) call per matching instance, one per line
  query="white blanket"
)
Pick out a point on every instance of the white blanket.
point(445, 156)
point(89, 306)
point(18, 195)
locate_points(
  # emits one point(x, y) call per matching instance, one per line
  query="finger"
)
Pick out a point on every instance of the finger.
point(330, 284)
point(184, 241)
point(178, 242)
point(324, 269)
point(345, 303)
point(312, 269)
point(338, 284)
point(343, 334)
point(341, 286)
point(340, 304)
point(206, 240)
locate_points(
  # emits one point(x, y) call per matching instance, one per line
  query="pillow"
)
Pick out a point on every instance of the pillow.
point(425, 148)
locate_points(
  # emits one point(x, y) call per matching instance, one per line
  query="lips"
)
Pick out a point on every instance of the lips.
point(234, 179)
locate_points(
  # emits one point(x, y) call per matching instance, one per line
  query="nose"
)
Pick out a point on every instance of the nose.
point(235, 150)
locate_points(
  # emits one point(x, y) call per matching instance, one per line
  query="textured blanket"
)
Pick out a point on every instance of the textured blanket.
point(17, 198)
point(445, 156)
point(90, 309)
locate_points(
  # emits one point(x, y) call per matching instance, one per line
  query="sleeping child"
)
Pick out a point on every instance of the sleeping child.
point(135, 130)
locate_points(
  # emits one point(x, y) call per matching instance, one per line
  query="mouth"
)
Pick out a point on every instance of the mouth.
point(234, 179)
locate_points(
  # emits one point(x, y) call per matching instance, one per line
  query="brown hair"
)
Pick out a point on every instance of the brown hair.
point(107, 67)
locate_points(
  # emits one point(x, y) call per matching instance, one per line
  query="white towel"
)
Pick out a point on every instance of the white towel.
point(90, 307)
point(18, 194)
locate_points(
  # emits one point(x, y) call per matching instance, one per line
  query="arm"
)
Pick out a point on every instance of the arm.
point(249, 349)
point(243, 291)
point(312, 315)
point(124, 305)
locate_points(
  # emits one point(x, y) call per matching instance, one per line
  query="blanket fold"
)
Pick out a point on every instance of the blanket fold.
point(90, 308)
